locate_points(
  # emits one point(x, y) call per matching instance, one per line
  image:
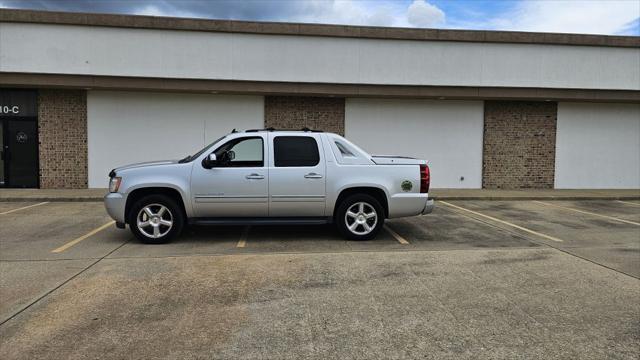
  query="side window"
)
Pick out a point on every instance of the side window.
point(343, 149)
point(291, 151)
point(242, 152)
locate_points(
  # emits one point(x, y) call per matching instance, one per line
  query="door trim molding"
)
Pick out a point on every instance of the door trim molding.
point(231, 199)
point(314, 220)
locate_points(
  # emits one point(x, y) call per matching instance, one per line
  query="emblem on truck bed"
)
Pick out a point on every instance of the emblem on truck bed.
point(406, 185)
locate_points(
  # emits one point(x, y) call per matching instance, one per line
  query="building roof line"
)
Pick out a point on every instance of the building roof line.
point(300, 29)
point(128, 83)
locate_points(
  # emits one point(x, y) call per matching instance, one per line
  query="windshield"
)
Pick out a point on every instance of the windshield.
point(196, 155)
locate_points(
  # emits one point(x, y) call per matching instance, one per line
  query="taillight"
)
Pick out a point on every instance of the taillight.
point(425, 178)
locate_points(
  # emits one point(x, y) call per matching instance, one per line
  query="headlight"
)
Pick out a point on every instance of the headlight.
point(114, 184)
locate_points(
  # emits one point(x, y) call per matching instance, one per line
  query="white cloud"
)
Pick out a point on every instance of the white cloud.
point(422, 14)
point(348, 12)
point(370, 12)
point(153, 10)
point(593, 17)
point(573, 16)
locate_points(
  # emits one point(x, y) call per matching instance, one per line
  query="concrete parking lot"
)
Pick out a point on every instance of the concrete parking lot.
point(475, 279)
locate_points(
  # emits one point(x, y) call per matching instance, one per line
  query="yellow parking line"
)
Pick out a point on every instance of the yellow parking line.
point(397, 236)
point(588, 213)
point(75, 241)
point(243, 237)
point(22, 208)
point(504, 222)
point(628, 202)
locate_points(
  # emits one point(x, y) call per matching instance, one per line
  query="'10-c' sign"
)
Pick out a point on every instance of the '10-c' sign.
point(9, 109)
point(18, 103)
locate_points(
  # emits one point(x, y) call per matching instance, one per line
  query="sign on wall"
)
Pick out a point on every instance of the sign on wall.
point(18, 103)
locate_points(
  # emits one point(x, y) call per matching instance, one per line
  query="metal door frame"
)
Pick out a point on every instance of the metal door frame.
point(5, 163)
point(4, 122)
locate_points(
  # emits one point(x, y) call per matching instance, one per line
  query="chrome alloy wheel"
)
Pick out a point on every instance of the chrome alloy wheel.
point(155, 221)
point(361, 218)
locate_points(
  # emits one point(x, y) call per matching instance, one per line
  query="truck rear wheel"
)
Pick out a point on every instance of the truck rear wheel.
point(359, 217)
point(155, 219)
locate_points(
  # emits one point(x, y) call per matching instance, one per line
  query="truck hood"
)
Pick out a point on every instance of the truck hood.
point(396, 160)
point(145, 164)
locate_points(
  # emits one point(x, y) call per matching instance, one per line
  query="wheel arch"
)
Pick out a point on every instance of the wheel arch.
point(376, 193)
point(139, 193)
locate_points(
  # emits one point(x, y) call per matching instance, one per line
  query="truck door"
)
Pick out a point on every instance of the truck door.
point(234, 188)
point(296, 175)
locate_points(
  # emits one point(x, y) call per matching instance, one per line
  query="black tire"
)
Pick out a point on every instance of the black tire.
point(353, 201)
point(173, 213)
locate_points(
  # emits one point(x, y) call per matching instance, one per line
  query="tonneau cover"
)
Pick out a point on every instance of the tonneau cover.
point(396, 160)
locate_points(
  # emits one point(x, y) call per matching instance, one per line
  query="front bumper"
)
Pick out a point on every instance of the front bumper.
point(115, 204)
point(428, 208)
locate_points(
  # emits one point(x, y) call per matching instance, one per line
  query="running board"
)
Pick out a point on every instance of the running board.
point(261, 221)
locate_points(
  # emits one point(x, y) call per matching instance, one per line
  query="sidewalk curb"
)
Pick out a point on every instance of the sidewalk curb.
point(444, 198)
point(51, 199)
point(514, 198)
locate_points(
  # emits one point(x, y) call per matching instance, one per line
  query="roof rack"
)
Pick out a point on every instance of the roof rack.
point(305, 129)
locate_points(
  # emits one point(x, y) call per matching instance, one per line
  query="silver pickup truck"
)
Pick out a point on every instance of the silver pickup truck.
point(266, 176)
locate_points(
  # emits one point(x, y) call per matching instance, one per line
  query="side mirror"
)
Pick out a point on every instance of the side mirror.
point(210, 161)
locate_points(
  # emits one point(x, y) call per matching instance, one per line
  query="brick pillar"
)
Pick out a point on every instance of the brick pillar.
point(297, 112)
point(519, 145)
point(62, 131)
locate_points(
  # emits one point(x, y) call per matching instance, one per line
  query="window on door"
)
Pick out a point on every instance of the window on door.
point(292, 151)
point(242, 152)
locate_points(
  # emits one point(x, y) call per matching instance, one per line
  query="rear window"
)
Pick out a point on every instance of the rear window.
point(295, 151)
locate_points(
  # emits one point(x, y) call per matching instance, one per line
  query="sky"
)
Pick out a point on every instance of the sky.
point(610, 17)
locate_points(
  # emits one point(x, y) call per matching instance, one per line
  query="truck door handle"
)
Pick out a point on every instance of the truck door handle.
point(254, 176)
point(313, 175)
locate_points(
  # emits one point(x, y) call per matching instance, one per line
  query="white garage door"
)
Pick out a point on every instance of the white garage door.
point(129, 127)
point(598, 146)
point(447, 133)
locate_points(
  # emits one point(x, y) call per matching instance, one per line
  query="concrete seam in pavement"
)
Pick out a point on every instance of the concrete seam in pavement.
point(260, 253)
point(43, 260)
point(276, 253)
point(60, 285)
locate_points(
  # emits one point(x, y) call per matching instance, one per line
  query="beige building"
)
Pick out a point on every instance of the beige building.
point(83, 93)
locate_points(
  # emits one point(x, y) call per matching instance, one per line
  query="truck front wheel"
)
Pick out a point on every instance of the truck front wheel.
point(359, 217)
point(155, 219)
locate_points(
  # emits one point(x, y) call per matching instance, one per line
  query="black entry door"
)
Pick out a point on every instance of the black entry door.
point(21, 153)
